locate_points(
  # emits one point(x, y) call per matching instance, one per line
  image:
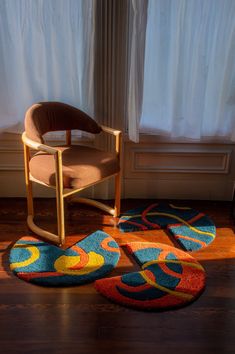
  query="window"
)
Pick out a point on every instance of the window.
point(189, 69)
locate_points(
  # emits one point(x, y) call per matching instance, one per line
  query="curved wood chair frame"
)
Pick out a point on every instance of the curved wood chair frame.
point(62, 193)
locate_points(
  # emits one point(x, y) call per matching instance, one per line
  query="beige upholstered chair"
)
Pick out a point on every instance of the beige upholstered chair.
point(69, 168)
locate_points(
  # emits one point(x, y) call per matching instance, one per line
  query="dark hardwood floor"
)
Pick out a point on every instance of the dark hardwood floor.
point(35, 319)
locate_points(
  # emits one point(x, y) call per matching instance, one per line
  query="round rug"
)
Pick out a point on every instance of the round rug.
point(191, 229)
point(169, 278)
point(44, 264)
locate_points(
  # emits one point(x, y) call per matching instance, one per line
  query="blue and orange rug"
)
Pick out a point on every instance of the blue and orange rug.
point(169, 278)
point(191, 229)
point(44, 264)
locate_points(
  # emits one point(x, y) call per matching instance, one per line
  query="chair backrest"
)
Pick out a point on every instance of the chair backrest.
point(44, 117)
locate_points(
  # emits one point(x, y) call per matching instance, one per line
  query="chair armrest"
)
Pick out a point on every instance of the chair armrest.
point(38, 146)
point(118, 136)
point(110, 130)
point(50, 150)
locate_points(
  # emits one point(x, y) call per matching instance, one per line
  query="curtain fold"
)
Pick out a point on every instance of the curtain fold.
point(110, 53)
point(111, 65)
point(137, 32)
point(189, 70)
point(46, 54)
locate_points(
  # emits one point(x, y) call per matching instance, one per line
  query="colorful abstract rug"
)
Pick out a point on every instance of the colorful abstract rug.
point(44, 264)
point(191, 229)
point(169, 278)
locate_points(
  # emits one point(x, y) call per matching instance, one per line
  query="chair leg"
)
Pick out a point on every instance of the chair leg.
point(58, 239)
point(117, 204)
point(60, 197)
point(28, 183)
point(29, 191)
point(60, 215)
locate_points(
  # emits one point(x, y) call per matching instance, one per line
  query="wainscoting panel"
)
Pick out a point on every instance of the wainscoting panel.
point(179, 170)
point(150, 170)
point(179, 189)
point(188, 161)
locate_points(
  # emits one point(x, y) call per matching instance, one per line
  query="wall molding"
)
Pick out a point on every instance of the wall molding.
point(158, 160)
point(150, 170)
point(179, 170)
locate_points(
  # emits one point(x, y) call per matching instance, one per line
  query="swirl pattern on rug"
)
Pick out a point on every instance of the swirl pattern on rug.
point(191, 229)
point(169, 278)
point(44, 264)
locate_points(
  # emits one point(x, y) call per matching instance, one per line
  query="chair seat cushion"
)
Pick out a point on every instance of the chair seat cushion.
point(82, 166)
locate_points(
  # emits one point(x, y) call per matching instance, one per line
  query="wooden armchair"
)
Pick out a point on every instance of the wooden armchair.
point(68, 168)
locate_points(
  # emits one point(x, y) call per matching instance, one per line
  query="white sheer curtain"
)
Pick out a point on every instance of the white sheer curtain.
point(46, 53)
point(137, 28)
point(189, 70)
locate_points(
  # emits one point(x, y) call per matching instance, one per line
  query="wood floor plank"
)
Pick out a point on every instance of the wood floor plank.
point(35, 319)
